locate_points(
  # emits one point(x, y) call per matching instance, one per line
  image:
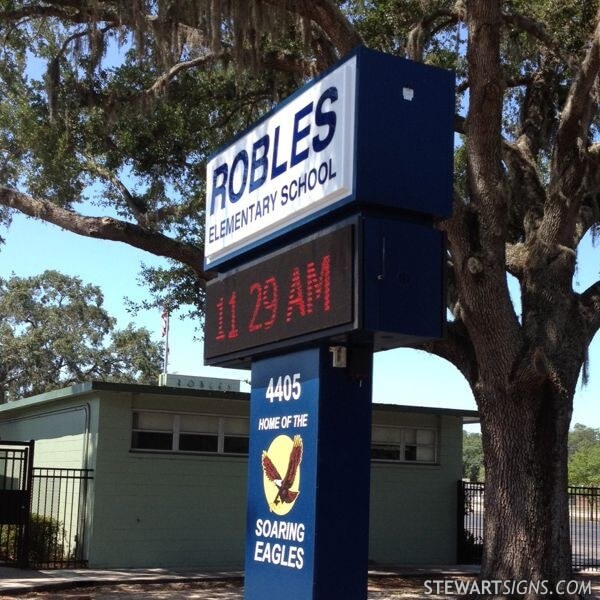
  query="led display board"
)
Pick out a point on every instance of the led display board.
point(305, 289)
point(367, 279)
point(370, 131)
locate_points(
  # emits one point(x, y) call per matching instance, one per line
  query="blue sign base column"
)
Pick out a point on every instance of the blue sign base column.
point(309, 478)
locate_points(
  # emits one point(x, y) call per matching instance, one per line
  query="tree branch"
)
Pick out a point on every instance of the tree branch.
point(163, 81)
point(528, 194)
point(590, 204)
point(484, 120)
point(516, 259)
point(323, 49)
point(459, 124)
point(569, 164)
point(76, 16)
point(138, 208)
point(107, 228)
point(577, 115)
point(423, 31)
point(508, 83)
point(279, 62)
point(478, 237)
point(456, 348)
point(537, 112)
point(534, 29)
point(330, 19)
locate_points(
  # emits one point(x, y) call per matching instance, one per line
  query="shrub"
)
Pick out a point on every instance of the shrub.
point(46, 541)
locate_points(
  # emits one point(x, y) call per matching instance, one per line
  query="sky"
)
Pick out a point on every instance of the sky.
point(401, 376)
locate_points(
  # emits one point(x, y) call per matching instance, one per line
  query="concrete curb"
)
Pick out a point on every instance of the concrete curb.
point(15, 582)
point(43, 582)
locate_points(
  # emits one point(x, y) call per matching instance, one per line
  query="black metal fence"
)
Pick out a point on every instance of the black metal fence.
point(16, 470)
point(58, 518)
point(470, 522)
point(584, 519)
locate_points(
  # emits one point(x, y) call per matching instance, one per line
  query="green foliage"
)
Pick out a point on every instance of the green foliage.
point(54, 332)
point(82, 107)
point(176, 283)
point(387, 24)
point(582, 437)
point(81, 119)
point(46, 542)
point(473, 468)
point(584, 467)
point(584, 456)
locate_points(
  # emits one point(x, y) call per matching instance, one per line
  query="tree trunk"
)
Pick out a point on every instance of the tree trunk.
point(526, 504)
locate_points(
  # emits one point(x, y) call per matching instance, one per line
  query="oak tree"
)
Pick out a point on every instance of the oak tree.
point(133, 96)
point(473, 457)
point(582, 437)
point(55, 332)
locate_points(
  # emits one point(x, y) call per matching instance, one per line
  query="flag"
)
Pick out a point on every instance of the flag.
point(165, 322)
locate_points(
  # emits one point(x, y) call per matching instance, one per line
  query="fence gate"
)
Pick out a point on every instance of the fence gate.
point(584, 521)
point(16, 483)
point(470, 522)
point(58, 518)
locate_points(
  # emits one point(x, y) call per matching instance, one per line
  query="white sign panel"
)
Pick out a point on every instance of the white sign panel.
point(193, 382)
point(295, 162)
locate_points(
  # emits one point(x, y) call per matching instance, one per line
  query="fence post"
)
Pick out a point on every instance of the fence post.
point(460, 521)
point(25, 537)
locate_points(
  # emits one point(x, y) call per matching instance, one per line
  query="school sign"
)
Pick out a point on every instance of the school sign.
point(367, 132)
point(320, 220)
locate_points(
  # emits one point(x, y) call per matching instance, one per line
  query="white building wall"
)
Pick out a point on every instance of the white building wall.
point(174, 510)
point(161, 510)
point(62, 434)
point(413, 507)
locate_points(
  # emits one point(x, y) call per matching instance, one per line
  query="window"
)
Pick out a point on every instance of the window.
point(152, 431)
point(198, 433)
point(189, 433)
point(403, 444)
point(235, 436)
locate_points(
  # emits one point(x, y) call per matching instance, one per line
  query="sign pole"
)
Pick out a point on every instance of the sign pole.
point(309, 476)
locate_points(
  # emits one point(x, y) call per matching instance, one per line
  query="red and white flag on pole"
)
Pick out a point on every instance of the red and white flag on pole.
point(165, 334)
point(165, 322)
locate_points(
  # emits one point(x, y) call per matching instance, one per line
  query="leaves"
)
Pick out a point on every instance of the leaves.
point(473, 468)
point(54, 331)
point(584, 467)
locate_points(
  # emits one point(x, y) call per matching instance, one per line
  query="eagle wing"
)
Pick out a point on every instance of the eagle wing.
point(294, 462)
point(269, 468)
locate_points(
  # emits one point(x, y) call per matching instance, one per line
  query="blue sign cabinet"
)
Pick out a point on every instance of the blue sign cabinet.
point(401, 154)
point(361, 273)
point(308, 479)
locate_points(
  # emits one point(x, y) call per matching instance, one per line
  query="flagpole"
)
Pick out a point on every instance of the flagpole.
point(166, 316)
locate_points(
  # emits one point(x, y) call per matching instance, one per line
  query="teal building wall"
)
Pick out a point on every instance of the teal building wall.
point(168, 509)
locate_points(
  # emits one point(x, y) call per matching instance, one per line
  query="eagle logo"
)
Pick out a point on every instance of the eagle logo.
point(283, 455)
